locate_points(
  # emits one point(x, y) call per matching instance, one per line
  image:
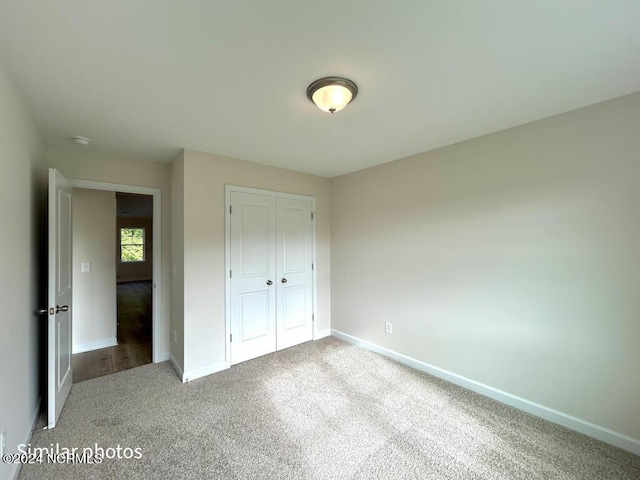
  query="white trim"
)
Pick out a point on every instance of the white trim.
point(27, 438)
point(157, 248)
point(314, 275)
point(591, 429)
point(260, 191)
point(164, 357)
point(196, 373)
point(227, 280)
point(96, 345)
point(322, 334)
point(203, 371)
point(176, 367)
point(227, 255)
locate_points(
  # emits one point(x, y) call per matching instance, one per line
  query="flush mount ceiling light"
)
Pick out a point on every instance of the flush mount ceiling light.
point(81, 140)
point(332, 94)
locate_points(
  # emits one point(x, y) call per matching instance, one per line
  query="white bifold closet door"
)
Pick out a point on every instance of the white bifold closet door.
point(271, 274)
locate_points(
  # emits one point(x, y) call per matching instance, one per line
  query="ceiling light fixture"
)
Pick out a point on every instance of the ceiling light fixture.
point(332, 94)
point(81, 140)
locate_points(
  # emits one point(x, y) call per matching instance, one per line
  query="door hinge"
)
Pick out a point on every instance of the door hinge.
point(231, 337)
point(312, 215)
point(313, 266)
point(230, 273)
point(313, 317)
point(230, 209)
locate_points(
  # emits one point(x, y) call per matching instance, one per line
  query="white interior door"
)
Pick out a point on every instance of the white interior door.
point(294, 257)
point(253, 276)
point(59, 319)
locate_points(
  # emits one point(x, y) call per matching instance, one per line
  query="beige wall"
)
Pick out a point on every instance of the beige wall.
point(133, 271)
point(22, 211)
point(84, 163)
point(94, 293)
point(205, 177)
point(177, 261)
point(511, 259)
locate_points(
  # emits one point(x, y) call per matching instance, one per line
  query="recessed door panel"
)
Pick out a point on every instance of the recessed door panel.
point(294, 307)
point(64, 347)
point(255, 241)
point(63, 257)
point(254, 311)
point(296, 258)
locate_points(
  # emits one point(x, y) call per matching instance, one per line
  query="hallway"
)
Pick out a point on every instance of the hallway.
point(134, 336)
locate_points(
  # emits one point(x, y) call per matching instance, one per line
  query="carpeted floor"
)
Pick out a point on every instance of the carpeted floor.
point(322, 410)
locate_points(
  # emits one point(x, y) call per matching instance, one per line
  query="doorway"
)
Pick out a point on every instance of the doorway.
point(154, 254)
point(112, 302)
point(60, 308)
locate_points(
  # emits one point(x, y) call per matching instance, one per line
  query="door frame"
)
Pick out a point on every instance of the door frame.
point(156, 193)
point(227, 254)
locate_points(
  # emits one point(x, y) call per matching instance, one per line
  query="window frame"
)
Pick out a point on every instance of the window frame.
point(142, 245)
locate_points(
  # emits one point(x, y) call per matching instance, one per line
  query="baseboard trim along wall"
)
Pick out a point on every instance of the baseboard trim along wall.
point(176, 367)
point(164, 357)
point(595, 431)
point(27, 437)
point(97, 345)
point(190, 375)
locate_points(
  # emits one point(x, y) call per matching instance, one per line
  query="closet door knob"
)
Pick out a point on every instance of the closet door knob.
point(269, 282)
point(284, 280)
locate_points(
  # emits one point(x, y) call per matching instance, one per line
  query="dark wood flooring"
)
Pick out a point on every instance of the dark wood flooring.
point(134, 336)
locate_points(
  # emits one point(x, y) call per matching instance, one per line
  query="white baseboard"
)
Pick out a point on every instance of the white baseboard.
point(322, 333)
point(97, 345)
point(197, 372)
point(596, 431)
point(203, 371)
point(176, 367)
point(27, 437)
point(163, 357)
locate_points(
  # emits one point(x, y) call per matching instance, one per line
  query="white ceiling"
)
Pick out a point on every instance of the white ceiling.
point(148, 77)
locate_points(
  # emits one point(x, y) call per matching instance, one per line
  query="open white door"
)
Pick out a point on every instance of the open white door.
point(59, 324)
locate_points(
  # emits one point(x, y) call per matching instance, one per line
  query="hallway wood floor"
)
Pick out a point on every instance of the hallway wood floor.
point(134, 336)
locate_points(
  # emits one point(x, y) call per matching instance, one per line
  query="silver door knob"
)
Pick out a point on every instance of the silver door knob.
point(284, 280)
point(269, 282)
point(64, 308)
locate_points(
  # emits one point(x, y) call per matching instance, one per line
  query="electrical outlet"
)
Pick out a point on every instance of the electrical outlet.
point(85, 267)
point(388, 327)
point(3, 442)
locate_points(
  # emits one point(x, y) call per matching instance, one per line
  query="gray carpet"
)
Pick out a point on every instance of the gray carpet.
point(322, 410)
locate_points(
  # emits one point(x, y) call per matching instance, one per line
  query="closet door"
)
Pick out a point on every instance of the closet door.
point(294, 257)
point(253, 276)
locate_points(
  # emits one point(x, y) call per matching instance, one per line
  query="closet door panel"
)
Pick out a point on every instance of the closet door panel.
point(294, 257)
point(253, 266)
